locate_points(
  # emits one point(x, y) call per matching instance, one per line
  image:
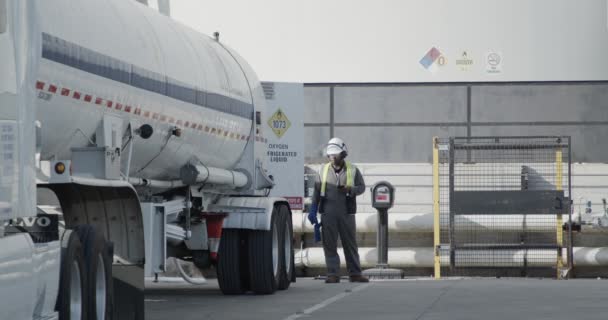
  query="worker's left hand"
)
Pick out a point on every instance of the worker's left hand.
point(346, 190)
point(312, 214)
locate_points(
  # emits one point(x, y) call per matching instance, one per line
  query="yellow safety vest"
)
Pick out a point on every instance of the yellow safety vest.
point(350, 177)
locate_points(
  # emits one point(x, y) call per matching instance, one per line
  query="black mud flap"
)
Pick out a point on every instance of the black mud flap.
point(128, 292)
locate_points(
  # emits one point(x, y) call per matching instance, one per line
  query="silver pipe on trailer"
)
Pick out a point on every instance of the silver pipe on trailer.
point(192, 175)
point(141, 182)
point(176, 235)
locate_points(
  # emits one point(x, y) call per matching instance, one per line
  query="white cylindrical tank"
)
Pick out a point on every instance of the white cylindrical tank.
point(122, 58)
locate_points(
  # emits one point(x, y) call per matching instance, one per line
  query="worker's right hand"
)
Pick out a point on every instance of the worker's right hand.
point(346, 190)
point(312, 214)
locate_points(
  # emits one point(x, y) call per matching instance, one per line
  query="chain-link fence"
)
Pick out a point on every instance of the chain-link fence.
point(501, 204)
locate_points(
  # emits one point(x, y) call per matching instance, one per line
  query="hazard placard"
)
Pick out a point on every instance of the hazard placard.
point(279, 123)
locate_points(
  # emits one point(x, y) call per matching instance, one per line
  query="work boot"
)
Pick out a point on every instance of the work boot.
point(358, 278)
point(332, 279)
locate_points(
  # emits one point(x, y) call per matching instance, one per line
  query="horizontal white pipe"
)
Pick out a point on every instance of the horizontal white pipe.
point(99, 182)
point(423, 257)
point(423, 222)
point(220, 176)
point(175, 234)
point(205, 175)
point(139, 182)
point(397, 257)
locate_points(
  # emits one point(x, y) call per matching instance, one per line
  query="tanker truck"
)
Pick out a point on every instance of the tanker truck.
point(148, 138)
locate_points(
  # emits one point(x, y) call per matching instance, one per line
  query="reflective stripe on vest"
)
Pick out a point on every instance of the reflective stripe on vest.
point(349, 177)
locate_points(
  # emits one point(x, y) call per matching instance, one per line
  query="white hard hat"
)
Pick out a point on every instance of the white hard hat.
point(336, 146)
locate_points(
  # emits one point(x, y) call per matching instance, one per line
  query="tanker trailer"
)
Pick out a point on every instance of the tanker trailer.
point(149, 137)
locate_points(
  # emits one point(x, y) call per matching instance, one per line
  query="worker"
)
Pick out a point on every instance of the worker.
point(338, 184)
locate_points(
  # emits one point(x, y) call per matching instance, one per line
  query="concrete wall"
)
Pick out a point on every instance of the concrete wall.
point(394, 123)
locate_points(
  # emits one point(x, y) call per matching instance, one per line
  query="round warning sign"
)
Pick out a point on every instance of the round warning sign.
point(279, 123)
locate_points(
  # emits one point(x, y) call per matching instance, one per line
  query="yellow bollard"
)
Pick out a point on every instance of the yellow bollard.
point(560, 235)
point(436, 225)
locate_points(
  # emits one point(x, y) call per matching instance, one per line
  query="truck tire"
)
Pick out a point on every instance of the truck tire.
point(71, 303)
point(97, 253)
point(230, 263)
point(265, 256)
point(287, 272)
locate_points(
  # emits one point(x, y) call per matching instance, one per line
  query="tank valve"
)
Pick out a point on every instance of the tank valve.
point(145, 131)
point(177, 131)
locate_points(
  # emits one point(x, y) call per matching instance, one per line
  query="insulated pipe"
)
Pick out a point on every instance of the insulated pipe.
point(192, 175)
point(423, 257)
point(139, 182)
point(186, 277)
point(175, 234)
point(423, 222)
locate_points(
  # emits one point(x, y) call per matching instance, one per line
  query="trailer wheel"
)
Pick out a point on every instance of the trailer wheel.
point(71, 302)
point(287, 272)
point(265, 256)
point(98, 263)
point(230, 261)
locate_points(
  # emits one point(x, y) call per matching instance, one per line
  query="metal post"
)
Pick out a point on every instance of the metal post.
point(436, 220)
point(188, 214)
point(382, 238)
point(570, 237)
point(332, 120)
point(559, 222)
point(131, 138)
point(469, 126)
point(451, 229)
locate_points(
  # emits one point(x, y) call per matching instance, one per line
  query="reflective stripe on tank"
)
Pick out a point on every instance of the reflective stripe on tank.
point(47, 90)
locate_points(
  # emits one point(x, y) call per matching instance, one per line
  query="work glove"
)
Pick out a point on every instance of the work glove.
point(312, 214)
point(318, 232)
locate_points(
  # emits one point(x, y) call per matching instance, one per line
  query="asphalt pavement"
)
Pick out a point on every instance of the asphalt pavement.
point(416, 299)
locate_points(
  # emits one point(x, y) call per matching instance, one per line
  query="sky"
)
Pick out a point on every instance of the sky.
point(387, 40)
